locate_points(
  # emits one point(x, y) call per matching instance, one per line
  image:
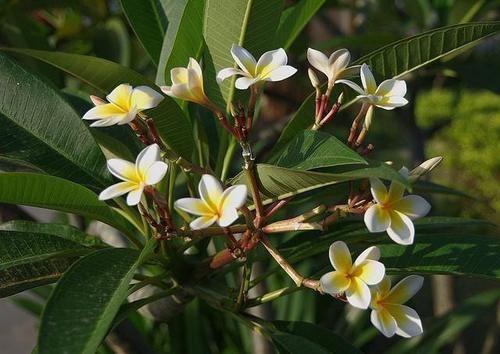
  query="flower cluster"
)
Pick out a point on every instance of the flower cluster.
point(362, 283)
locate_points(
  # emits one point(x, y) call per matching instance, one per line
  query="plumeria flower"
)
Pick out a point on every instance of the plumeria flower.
point(124, 102)
point(187, 84)
point(389, 315)
point(270, 67)
point(335, 66)
point(215, 205)
point(393, 212)
point(353, 279)
point(388, 95)
point(147, 171)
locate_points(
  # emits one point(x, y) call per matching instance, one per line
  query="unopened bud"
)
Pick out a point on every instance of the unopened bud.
point(340, 99)
point(425, 167)
point(313, 77)
point(97, 100)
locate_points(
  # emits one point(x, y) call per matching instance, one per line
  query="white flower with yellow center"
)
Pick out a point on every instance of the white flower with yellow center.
point(147, 171)
point(394, 212)
point(270, 67)
point(388, 95)
point(124, 104)
point(353, 279)
point(335, 66)
point(187, 84)
point(389, 315)
point(215, 205)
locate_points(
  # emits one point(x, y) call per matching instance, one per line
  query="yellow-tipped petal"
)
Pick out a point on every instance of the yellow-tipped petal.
point(121, 96)
point(340, 257)
point(358, 294)
point(144, 97)
point(396, 191)
point(179, 76)
point(378, 190)
point(123, 170)
point(334, 283)
point(103, 111)
point(244, 59)
point(404, 290)
point(210, 191)
point(384, 322)
point(412, 206)
point(194, 206)
point(371, 272)
point(377, 219)
point(407, 320)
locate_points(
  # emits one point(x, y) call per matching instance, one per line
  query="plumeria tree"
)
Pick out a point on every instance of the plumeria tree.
point(177, 168)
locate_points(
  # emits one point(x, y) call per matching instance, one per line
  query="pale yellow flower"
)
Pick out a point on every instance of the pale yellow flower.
point(353, 279)
point(187, 84)
point(335, 66)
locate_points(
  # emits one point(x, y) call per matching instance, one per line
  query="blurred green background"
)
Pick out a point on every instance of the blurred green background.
point(454, 112)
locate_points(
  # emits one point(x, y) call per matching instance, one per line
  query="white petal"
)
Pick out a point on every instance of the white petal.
point(371, 272)
point(228, 72)
point(122, 169)
point(179, 76)
point(318, 60)
point(270, 61)
point(210, 191)
point(194, 65)
point(144, 97)
point(377, 219)
point(413, 206)
point(391, 87)
point(107, 110)
point(368, 80)
point(389, 103)
point(401, 230)
point(121, 96)
point(243, 83)
point(405, 289)
point(193, 206)
point(202, 222)
point(384, 322)
point(352, 85)
point(281, 73)
point(340, 257)
point(334, 283)
point(407, 320)
point(107, 122)
point(244, 59)
point(372, 253)
point(156, 172)
point(358, 294)
point(339, 60)
point(116, 190)
point(134, 196)
point(234, 197)
point(378, 190)
point(147, 157)
point(227, 217)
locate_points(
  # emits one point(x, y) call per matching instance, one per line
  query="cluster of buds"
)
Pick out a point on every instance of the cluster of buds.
point(363, 283)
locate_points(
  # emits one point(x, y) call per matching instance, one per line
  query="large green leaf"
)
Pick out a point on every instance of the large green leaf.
point(248, 23)
point(278, 182)
point(29, 259)
point(86, 299)
point(149, 22)
point(313, 149)
point(64, 231)
point(294, 19)
point(183, 39)
point(58, 194)
point(303, 337)
point(103, 75)
point(398, 59)
point(40, 128)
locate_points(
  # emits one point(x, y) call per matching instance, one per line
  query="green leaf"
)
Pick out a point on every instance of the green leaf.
point(103, 75)
point(248, 23)
point(303, 337)
point(398, 59)
point(313, 149)
point(294, 19)
point(421, 187)
point(40, 128)
point(149, 22)
point(183, 39)
point(277, 183)
point(85, 301)
point(65, 231)
point(56, 193)
point(29, 259)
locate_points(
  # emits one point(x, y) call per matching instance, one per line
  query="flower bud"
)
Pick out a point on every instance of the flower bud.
point(424, 168)
point(313, 77)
